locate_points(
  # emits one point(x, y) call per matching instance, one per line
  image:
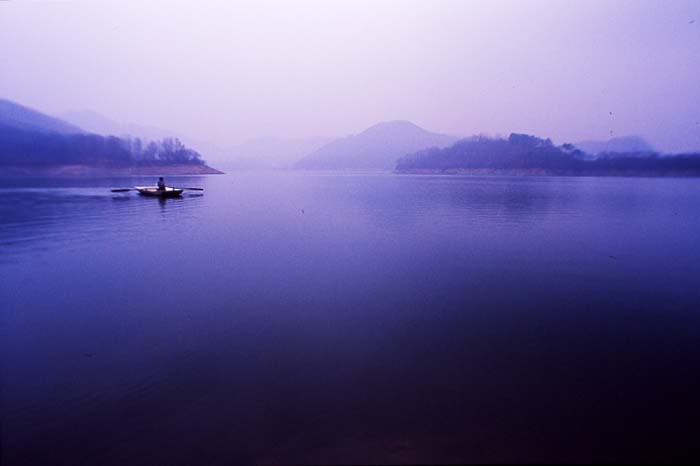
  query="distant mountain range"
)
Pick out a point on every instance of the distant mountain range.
point(87, 143)
point(624, 144)
point(271, 152)
point(378, 147)
point(33, 143)
point(255, 154)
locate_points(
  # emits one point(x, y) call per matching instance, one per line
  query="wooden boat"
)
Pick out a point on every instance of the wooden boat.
point(153, 191)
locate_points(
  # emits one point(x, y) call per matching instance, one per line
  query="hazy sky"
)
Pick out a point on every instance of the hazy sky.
point(225, 71)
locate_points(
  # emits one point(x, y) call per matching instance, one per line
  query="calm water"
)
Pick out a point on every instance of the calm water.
point(303, 318)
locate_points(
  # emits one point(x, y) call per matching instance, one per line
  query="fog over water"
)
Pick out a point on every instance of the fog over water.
point(224, 72)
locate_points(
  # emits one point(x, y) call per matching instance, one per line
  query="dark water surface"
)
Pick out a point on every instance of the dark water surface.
point(295, 318)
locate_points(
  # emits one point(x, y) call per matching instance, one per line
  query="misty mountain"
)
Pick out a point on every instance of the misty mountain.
point(97, 123)
point(624, 144)
point(14, 115)
point(378, 147)
point(271, 152)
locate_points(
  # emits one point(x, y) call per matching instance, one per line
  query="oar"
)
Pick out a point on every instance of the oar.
point(123, 190)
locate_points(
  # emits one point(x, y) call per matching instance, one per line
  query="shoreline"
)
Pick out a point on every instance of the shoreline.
point(545, 172)
point(75, 171)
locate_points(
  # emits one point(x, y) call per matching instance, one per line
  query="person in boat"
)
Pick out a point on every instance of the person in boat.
point(161, 184)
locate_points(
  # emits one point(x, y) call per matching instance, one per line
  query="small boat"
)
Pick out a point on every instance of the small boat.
point(153, 191)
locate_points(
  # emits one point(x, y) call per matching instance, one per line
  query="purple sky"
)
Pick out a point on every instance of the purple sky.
point(225, 71)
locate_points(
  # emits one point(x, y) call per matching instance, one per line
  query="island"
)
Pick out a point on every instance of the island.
point(523, 154)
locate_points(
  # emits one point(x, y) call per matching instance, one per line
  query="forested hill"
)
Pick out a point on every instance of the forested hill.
point(522, 153)
point(32, 148)
point(31, 142)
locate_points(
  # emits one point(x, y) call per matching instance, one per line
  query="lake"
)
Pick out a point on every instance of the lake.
point(350, 318)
